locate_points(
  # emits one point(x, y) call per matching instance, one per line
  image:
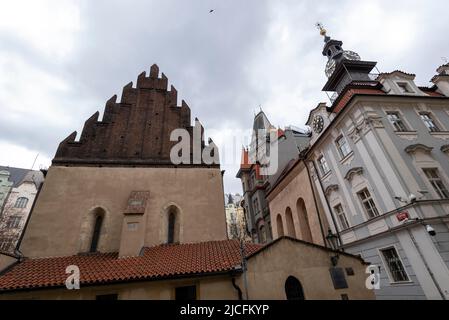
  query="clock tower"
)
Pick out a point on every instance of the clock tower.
point(343, 66)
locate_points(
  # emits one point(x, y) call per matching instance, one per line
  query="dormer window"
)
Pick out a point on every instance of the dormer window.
point(405, 87)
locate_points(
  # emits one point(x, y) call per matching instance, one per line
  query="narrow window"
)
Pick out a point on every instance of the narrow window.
point(429, 122)
point(434, 178)
point(96, 233)
point(342, 146)
point(263, 236)
point(396, 121)
point(322, 164)
point(368, 203)
point(185, 293)
point(394, 265)
point(6, 244)
point(341, 216)
point(21, 202)
point(171, 227)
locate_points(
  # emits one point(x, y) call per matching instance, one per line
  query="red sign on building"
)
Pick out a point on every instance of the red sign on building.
point(402, 216)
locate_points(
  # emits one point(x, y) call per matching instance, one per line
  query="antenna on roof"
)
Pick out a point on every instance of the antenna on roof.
point(34, 161)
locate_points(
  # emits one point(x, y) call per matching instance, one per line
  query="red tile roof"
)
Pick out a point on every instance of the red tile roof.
point(157, 262)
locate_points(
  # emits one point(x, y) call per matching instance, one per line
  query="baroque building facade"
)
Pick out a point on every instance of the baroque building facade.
point(379, 161)
point(236, 218)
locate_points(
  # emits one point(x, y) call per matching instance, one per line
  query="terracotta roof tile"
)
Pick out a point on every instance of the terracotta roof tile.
point(155, 262)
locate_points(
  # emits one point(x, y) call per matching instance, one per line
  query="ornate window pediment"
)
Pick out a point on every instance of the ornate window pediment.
point(445, 148)
point(350, 174)
point(418, 147)
point(329, 189)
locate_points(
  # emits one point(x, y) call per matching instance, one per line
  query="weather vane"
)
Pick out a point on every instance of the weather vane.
point(320, 27)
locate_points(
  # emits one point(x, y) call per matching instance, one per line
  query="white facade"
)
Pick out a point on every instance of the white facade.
point(386, 154)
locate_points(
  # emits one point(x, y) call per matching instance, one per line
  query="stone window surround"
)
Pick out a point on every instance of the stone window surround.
point(335, 201)
point(407, 83)
point(359, 188)
point(432, 163)
point(403, 118)
point(422, 108)
point(390, 278)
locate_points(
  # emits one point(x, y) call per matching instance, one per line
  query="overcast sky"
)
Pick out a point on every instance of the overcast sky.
point(61, 60)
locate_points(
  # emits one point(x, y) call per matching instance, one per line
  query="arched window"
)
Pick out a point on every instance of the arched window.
point(96, 233)
point(21, 202)
point(280, 226)
point(263, 235)
point(303, 220)
point(172, 224)
point(289, 221)
point(293, 289)
point(171, 227)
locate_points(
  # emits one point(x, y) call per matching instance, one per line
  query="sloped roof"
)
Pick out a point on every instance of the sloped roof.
point(19, 175)
point(159, 262)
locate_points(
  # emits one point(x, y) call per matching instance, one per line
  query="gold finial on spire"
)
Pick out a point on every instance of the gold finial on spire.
point(320, 27)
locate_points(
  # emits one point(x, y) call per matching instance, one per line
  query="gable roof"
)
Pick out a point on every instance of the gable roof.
point(155, 263)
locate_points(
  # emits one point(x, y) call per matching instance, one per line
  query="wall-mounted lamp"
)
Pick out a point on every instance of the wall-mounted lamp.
point(332, 240)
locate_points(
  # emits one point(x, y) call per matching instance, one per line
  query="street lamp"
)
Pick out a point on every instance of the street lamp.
point(332, 240)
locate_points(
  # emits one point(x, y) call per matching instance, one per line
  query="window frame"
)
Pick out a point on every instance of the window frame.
point(431, 118)
point(443, 192)
point(386, 265)
point(320, 165)
point(398, 120)
point(362, 202)
point(343, 214)
point(340, 146)
point(13, 222)
point(405, 87)
point(21, 202)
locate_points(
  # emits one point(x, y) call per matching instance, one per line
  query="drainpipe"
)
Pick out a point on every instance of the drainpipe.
point(316, 203)
point(415, 243)
point(327, 204)
point(236, 287)
point(245, 280)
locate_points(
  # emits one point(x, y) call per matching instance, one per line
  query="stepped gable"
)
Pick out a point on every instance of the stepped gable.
point(135, 131)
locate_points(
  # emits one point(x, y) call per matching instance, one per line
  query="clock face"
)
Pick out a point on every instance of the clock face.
point(318, 124)
point(330, 67)
point(351, 55)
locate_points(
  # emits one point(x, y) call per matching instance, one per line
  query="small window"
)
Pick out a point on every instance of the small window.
point(405, 87)
point(343, 146)
point(341, 216)
point(256, 205)
point(13, 222)
point(185, 293)
point(322, 163)
point(96, 233)
point(394, 265)
point(435, 180)
point(396, 121)
point(344, 296)
point(429, 122)
point(368, 203)
point(21, 202)
point(171, 227)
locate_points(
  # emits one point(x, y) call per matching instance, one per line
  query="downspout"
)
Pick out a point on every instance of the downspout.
point(316, 203)
point(328, 205)
point(236, 287)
